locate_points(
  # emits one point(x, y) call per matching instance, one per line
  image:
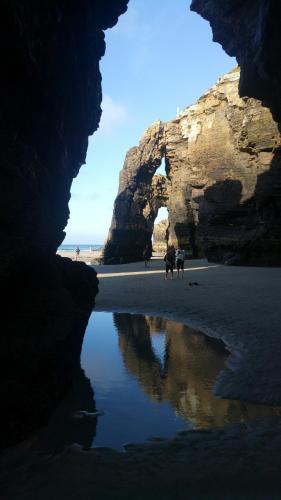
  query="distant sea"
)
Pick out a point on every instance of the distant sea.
point(83, 247)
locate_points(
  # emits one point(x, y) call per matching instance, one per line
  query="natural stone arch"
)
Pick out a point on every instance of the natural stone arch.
point(140, 194)
point(159, 199)
point(221, 190)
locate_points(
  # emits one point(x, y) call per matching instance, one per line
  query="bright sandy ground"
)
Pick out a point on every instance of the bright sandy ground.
point(87, 257)
point(238, 304)
point(241, 305)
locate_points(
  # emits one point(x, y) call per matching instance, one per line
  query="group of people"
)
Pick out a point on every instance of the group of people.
point(174, 259)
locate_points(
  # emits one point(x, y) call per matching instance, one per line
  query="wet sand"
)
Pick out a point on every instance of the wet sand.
point(238, 304)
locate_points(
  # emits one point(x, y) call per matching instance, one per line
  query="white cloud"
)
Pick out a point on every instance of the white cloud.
point(113, 114)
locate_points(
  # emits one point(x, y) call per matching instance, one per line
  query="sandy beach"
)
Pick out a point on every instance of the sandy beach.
point(89, 257)
point(241, 306)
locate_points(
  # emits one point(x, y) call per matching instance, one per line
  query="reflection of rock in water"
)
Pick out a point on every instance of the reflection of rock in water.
point(63, 429)
point(138, 355)
point(191, 364)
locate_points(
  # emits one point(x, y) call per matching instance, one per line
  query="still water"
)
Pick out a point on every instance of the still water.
point(153, 377)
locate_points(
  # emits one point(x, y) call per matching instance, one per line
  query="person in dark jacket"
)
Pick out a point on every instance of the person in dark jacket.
point(146, 256)
point(169, 259)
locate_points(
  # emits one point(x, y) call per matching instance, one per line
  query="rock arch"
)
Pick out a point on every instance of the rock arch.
point(219, 154)
point(140, 195)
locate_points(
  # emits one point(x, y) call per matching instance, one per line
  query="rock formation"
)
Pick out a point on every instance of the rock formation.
point(250, 31)
point(222, 188)
point(50, 104)
point(160, 233)
point(190, 365)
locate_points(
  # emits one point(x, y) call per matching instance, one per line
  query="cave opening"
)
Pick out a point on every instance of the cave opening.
point(161, 170)
point(133, 99)
point(51, 105)
point(160, 232)
point(162, 215)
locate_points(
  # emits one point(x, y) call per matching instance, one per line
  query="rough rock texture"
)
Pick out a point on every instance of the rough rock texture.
point(250, 31)
point(50, 104)
point(160, 236)
point(140, 195)
point(223, 183)
point(67, 424)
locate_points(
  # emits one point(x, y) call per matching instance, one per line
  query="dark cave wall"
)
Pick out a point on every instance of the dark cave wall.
point(250, 31)
point(50, 104)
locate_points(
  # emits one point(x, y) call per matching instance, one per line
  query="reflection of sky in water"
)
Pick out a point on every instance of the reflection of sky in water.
point(158, 342)
point(153, 377)
point(130, 414)
point(100, 356)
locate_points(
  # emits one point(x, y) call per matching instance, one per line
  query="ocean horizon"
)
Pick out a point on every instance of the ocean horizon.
point(84, 247)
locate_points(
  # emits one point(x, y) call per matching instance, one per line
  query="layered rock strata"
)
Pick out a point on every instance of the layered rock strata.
point(50, 104)
point(250, 31)
point(222, 188)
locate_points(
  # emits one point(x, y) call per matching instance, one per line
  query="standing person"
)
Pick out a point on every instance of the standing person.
point(169, 261)
point(173, 252)
point(146, 256)
point(77, 251)
point(180, 255)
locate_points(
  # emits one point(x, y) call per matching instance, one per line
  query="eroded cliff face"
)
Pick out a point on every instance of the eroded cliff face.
point(222, 188)
point(50, 104)
point(250, 31)
point(140, 195)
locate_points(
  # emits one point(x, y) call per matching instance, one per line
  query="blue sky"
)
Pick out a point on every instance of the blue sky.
point(159, 56)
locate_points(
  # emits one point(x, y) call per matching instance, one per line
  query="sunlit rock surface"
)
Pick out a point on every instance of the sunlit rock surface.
point(250, 31)
point(222, 185)
point(50, 104)
point(160, 235)
point(140, 195)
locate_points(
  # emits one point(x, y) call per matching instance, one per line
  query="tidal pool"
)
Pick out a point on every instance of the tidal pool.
point(153, 377)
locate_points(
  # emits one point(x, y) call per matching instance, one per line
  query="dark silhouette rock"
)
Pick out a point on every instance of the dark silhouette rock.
point(50, 104)
point(75, 419)
point(250, 31)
